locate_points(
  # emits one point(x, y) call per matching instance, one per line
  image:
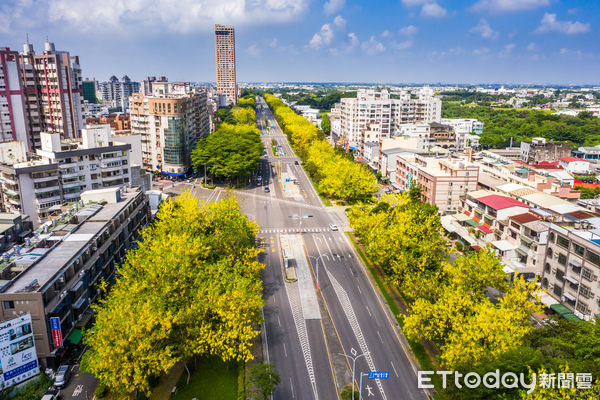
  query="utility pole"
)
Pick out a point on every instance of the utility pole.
point(354, 357)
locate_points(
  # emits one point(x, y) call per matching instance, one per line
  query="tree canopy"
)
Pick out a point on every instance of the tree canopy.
point(192, 287)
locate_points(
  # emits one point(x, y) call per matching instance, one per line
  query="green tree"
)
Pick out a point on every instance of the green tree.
point(325, 123)
point(262, 380)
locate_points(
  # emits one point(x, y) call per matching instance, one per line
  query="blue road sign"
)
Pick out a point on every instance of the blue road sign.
point(379, 375)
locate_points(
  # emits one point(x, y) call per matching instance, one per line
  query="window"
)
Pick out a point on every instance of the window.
point(587, 274)
point(582, 307)
point(585, 291)
point(579, 250)
point(559, 274)
point(562, 259)
point(547, 268)
point(9, 305)
point(562, 242)
point(549, 252)
point(557, 290)
point(592, 257)
point(552, 237)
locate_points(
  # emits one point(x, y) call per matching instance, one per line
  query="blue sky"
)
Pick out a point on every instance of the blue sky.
point(387, 41)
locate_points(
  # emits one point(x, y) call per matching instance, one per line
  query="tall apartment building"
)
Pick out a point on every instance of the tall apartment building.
point(225, 49)
point(41, 93)
point(56, 273)
point(372, 107)
point(170, 120)
point(443, 181)
point(37, 185)
point(539, 149)
point(117, 93)
point(147, 83)
point(90, 88)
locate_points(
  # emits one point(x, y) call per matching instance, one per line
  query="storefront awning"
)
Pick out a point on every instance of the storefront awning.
point(485, 230)
point(449, 227)
point(520, 251)
point(560, 309)
point(472, 223)
point(461, 217)
point(75, 336)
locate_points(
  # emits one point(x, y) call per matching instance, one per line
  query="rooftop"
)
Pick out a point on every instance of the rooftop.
point(524, 218)
point(501, 202)
point(572, 159)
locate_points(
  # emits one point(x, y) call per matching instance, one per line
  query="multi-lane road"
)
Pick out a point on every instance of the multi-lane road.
point(307, 327)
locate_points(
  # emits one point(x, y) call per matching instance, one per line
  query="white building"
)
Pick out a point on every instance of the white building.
point(575, 165)
point(372, 107)
point(60, 170)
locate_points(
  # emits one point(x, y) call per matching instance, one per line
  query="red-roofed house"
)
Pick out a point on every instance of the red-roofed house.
point(575, 165)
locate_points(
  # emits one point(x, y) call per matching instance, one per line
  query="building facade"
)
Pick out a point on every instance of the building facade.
point(225, 50)
point(443, 181)
point(116, 93)
point(539, 149)
point(170, 121)
point(37, 185)
point(56, 273)
point(41, 93)
point(90, 88)
point(372, 107)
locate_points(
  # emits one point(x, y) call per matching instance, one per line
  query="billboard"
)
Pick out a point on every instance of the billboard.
point(18, 359)
point(56, 332)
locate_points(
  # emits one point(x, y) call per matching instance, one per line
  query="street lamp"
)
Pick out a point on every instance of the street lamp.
point(360, 385)
point(354, 357)
point(317, 267)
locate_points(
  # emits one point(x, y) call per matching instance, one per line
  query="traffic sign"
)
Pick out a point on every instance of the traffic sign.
point(379, 375)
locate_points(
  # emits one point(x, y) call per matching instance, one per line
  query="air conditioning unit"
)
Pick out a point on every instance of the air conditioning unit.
point(62, 295)
point(81, 274)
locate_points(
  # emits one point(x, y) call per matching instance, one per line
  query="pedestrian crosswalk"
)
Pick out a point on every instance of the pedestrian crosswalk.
point(293, 230)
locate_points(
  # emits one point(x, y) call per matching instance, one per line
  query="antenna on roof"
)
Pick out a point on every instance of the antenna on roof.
point(27, 36)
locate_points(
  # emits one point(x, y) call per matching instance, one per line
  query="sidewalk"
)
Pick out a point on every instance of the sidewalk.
point(163, 390)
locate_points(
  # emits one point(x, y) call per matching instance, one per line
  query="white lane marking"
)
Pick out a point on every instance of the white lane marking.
point(262, 310)
point(369, 311)
point(284, 350)
point(279, 321)
point(292, 386)
point(394, 368)
point(78, 390)
point(380, 338)
point(359, 291)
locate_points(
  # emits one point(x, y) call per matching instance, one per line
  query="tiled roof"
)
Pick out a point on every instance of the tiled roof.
point(571, 159)
point(524, 218)
point(501, 202)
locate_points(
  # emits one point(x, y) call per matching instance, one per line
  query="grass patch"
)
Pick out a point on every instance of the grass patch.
point(210, 380)
point(417, 348)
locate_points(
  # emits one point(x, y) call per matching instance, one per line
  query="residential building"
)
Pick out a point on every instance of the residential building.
point(464, 125)
point(226, 78)
point(13, 229)
point(57, 272)
point(116, 93)
point(540, 149)
point(147, 83)
point(372, 107)
point(574, 165)
point(39, 93)
point(90, 88)
point(442, 135)
point(442, 180)
point(38, 184)
point(170, 121)
point(591, 154)
point(118, 122)
point(572, 265)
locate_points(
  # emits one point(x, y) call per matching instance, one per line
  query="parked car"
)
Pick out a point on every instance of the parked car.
point(62, 376)
point(333, 227)
point(296, 162)
point(51, 395)
point(267, 190)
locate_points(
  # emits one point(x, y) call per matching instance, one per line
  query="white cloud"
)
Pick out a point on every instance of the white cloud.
point(284, 49)
point(404, 45)
point(339, 23)
point(454, 51)
point(253, 51)
point(181, 16)
point(508, 5)
point(484, 29)
point(354, 41)
point(549, 23)
point(415, 2)
point(483, 51)
point(372, 46)
point(333, 6)
point(274, 43)
point(386, 34)
point(532, 47)
point(409, 30)
point(508, 48)
point(433, 10)
point(564, 52)
point(322, 38)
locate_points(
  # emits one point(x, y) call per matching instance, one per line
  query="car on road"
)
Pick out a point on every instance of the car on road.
point(267, 190)
point(296, 162)
point(62, 376)
point(333, 227)
point(51, 395)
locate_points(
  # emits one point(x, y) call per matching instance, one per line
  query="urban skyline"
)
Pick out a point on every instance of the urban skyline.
point(551, 42)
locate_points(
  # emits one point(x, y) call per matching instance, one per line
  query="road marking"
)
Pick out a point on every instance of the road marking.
point(278, 321)
point(78, 390)
point(262, 311)
point(394, 368)
point(292, 386)
point(368, 311)
point(380, 338)
point(284, 350)
point(359, 291)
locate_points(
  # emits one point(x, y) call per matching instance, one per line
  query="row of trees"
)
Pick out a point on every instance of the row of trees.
point(233, 151)
point(521, 125)
point(478, 320)
point(322, 100)
point(192, 287)
point(337, 176)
